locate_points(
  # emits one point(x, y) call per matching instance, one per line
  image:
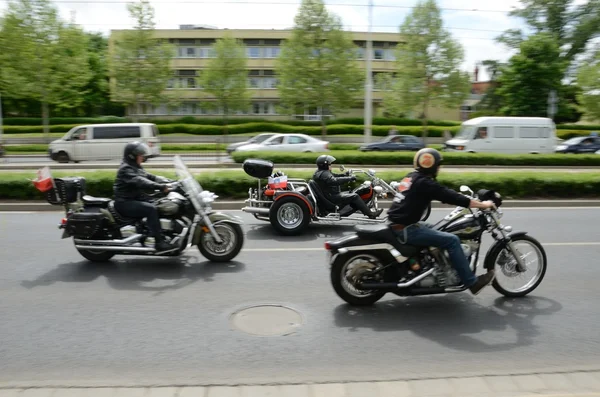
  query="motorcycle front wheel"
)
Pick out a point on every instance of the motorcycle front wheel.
point(507, 273)
point(232, 236)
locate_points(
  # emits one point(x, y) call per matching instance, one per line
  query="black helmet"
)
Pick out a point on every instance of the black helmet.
point(136, 148)
point(428, 161)
point(324, 161)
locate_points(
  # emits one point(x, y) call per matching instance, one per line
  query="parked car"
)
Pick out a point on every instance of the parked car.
point(288, 143)
point(102, 141)
point(255, 139)
point(395, 143)
point(579, 145)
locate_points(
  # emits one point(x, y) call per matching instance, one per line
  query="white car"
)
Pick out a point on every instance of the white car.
point(288, 143)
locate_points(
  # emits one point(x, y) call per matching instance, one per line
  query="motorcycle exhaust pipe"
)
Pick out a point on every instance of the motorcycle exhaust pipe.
point(396, 285)
point(115, 248)
point(255, 210)
point(126, 241)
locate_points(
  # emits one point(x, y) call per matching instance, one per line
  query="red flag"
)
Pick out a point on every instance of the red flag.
point(44, 181)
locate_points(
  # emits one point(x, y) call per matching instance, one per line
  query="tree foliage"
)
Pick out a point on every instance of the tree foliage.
point(317, 66)
point(572, 26)
point(530, 75)
point(226, 77)
point(140, 63)
point(428, 66)
point(42, 58)
point(588, 79)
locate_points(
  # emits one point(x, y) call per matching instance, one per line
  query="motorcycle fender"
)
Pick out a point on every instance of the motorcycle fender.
point(281, 194)
point(488, 262)
point(215, 218)
point(65, 234)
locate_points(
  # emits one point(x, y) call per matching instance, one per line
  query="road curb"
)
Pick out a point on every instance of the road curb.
point(42, 206)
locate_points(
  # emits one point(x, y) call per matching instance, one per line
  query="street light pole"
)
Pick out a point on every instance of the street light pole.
point(1, 121)
point(369, 80)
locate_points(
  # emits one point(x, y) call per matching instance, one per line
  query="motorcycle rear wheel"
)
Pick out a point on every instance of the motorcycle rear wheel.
point(96, 255)
point(338, 279)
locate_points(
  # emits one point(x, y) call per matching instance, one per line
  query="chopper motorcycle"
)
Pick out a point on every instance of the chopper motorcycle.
point(290, 204)
point(99, 232)
point(372, 262)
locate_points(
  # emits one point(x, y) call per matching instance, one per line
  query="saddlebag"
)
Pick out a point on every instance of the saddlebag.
point(84, 224)
point(68, 190)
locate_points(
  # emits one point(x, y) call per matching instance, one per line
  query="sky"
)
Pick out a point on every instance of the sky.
point(474, 24)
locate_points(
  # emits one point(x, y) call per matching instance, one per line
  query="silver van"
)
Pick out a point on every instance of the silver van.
point(102, 141)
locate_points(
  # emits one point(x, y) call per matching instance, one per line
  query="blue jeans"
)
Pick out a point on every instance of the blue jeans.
point(421, 234)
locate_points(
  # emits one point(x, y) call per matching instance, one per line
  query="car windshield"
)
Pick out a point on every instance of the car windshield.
point(574, 141)
point(466, 132)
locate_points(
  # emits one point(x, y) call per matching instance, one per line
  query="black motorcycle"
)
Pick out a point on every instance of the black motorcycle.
point(371, 262)
point(186, 218)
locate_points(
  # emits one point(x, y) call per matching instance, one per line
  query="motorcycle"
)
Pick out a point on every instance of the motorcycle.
point(372, 262)
point(290, 204)
point(99, 232)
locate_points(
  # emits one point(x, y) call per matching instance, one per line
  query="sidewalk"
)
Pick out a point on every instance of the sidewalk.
point(576, 384)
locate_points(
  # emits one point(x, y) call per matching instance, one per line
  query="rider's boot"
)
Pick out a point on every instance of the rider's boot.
point(162, 246)
point(362, 207)
point(482, 281)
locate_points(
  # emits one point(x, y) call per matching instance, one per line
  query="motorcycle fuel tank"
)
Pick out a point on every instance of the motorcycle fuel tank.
point(170, 205)
point(466, 227)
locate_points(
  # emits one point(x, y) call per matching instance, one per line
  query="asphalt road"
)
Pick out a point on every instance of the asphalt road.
point(166, 321)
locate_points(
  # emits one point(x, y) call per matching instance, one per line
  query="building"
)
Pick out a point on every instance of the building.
point(193, 45)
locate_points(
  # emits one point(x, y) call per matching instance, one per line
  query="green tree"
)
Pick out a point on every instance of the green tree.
point(588, 79)
point(530, 75)
point(97, 99)
point(572, 26)
point(226, 77)
point(317, 66)
point(140, 63)
point(42, 58)
point(428, 65)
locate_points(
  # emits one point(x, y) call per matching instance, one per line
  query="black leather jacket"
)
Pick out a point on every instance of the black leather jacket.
point(131, 180)
point(330, 183)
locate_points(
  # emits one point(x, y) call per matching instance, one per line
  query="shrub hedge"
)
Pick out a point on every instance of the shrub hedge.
point(406, 158)
point(277, 127)
point(235, 184)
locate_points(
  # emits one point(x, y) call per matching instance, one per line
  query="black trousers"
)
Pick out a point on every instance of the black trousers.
point(141, 209)
point(353, 199)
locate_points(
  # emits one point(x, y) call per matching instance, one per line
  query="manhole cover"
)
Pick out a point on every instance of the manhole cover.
point(267, 320)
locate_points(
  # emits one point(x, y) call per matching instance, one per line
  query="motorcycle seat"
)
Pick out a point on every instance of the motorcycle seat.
point(385, 234)
point(322, 201)
point(121, 220)
point(91, 201)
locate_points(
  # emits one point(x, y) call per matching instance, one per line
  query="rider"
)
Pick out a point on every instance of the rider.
point(129, 200)
point(330, 186)
point(417, 190)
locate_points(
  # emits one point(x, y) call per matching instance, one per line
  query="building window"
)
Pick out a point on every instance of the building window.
point(272, 52)
point(253, 52)
point(186, 52)
point(254, 82)
point(270, 82)
point(378, 53)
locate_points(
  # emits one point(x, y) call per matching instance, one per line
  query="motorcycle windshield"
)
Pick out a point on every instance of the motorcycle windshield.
point(189, 183)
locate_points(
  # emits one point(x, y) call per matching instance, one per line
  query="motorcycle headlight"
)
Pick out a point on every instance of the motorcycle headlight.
point(378, 189)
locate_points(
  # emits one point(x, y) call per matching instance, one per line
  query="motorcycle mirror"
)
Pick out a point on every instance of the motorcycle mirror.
point(465, 189)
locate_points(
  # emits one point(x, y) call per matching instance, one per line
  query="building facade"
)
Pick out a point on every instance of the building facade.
point(193, 51)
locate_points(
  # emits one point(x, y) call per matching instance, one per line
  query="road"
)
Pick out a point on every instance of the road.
point(166, 321)
point(167, 159)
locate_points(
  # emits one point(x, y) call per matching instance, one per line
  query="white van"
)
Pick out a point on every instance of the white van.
point(504, 135)
point(102, 141)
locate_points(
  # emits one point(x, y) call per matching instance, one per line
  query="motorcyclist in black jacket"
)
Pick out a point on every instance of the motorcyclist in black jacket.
point(416, 191)
point(131, 180)
point(330, 186)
